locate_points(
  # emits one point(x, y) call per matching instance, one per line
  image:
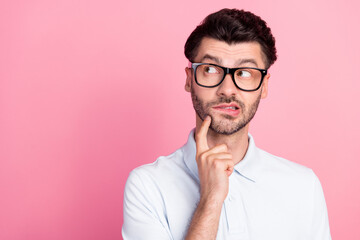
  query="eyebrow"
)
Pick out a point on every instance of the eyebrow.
point(247, 60)
point(239, 62)
point(213, 58)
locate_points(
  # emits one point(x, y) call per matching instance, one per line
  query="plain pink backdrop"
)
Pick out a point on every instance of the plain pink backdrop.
point(90, 90)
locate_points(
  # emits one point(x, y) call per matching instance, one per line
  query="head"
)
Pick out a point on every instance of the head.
point(233, 26)
point(230, 38)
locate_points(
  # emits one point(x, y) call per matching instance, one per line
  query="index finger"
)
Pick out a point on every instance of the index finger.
point(201, 136)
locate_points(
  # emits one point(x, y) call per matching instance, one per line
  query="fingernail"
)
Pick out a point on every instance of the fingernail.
point(207, 118)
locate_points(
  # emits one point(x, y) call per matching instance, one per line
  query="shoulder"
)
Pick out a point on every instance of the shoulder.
point(163, 164)
point(282, 168)
point(291, 180)
point(151, 175)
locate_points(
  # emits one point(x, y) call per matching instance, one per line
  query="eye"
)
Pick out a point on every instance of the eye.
point(211, 69)
point(244, 73)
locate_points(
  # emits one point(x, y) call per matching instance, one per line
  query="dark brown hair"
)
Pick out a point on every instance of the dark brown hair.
point(233, 26)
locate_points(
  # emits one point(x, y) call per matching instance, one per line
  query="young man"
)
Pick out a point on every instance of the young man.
point(219, 185)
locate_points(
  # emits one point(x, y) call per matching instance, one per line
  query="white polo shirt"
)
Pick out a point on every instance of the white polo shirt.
point(270, 198)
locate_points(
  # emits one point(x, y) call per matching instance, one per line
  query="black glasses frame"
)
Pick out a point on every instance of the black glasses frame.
point(229, 71)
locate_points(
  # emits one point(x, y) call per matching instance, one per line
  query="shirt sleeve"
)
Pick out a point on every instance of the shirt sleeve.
point(142, 218)
point(320, 229)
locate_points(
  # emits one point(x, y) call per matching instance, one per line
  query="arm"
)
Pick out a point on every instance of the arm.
point(204, 224)
point(141, 218)
point(215, 165)
point(320, 229)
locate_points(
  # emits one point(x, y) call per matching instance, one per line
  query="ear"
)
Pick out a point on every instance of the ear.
point(264, 91)
point(188, 72)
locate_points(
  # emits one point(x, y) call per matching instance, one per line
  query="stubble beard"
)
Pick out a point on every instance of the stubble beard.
point(227, 125)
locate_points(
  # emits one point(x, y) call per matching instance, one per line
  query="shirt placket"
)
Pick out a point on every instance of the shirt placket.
point(235, 213)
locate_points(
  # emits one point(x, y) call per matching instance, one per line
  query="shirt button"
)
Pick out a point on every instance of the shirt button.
point(230, 198)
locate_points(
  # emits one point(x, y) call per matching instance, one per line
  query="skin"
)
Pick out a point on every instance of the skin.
point(217, 153)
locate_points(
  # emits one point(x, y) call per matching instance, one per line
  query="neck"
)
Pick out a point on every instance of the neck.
point(237, 143)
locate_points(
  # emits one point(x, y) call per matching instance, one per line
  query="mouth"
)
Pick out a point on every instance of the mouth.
point(231, 109)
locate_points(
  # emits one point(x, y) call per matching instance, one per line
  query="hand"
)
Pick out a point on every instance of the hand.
point(215, 165)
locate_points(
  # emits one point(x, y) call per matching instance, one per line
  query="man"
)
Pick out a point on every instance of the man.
point(219, 185)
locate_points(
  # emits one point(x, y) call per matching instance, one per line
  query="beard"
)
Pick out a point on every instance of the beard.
point(226, 125)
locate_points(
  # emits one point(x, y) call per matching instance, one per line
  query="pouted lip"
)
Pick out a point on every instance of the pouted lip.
point(227, 105)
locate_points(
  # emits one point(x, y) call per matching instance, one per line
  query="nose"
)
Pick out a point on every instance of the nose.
point(227, 87)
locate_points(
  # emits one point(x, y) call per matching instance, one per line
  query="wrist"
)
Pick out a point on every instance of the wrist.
point(210, 203)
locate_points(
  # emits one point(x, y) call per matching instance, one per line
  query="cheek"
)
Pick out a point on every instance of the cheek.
point(250, 98)
point(205, 94)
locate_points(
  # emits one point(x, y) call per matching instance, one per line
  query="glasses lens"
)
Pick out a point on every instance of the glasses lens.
point(247, 78)
point(209, 75)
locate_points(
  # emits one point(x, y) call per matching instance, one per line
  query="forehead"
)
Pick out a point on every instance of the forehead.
point(229, 55)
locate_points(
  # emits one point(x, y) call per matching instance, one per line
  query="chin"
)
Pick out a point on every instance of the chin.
point(226, 127)
point(226, 132)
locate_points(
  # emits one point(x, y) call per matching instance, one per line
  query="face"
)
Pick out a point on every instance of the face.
point(230, 108)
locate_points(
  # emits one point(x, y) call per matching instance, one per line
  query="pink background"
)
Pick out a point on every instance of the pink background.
point(90, 90)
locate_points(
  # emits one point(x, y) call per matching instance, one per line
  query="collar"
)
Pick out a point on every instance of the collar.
point(248, 167)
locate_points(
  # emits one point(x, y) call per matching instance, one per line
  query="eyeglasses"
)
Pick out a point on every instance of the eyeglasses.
point(212, 75)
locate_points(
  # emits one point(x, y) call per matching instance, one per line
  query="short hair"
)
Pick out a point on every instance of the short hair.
point(233, 26)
